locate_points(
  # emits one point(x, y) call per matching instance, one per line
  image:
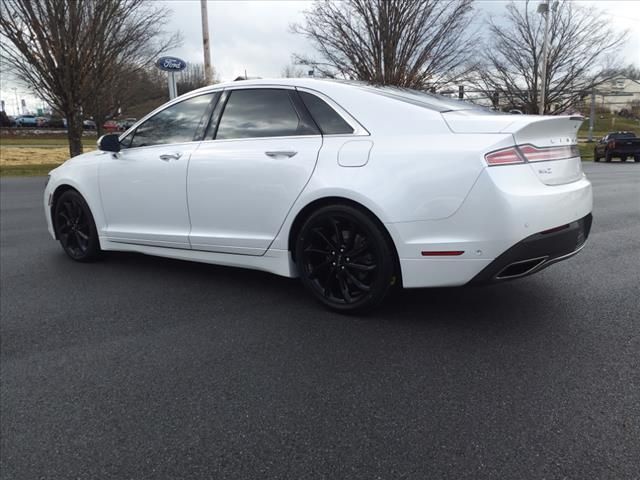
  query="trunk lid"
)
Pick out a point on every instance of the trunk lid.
point(555, 159)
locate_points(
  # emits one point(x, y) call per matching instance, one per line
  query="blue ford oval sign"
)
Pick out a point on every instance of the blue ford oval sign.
point(171, 64)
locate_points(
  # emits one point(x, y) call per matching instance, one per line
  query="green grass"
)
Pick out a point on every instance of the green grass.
point(46, 141)
point(610, 123)
point(586, 150)
point(27, 170)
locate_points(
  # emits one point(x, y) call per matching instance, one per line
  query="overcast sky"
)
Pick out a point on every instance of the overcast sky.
point(255, 35)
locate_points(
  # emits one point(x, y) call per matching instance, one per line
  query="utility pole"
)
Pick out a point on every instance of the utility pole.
point(592, 115)
point(208, 74)
point(15, 92)
point(543, 9)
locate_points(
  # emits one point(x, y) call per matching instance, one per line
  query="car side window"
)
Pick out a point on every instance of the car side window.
point(175, 124)
point(255, 113)
point(327, 119)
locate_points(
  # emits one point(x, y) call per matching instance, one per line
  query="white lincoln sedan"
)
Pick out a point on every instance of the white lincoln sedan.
point(351, 187)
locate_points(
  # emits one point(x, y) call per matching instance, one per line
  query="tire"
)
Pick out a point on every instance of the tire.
point(623, 158)
point(636, 158)
point(595, 156)
point(607, 157)
point(75, 227)
point(345, 259)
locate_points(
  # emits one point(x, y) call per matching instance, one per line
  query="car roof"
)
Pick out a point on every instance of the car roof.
point(311, 83)
point(300, 81)
point(331, 86)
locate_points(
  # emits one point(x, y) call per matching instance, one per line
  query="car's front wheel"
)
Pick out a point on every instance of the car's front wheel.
point(75, 227)
point(595, 156)
point(345, 258)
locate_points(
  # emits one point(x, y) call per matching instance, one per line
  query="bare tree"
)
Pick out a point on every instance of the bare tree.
point(131, 85)
point(292, 71)
point(581, 48)
point(631, 71)
point(143, 91)
point(408, 43)
point(72, 52)
point(193, 77)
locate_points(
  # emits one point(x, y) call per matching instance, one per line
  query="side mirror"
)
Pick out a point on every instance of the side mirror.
point(109, 143)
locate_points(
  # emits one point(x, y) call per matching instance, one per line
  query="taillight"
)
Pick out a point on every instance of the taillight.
point(530, 153)
point(535, 154)
point(507, 156)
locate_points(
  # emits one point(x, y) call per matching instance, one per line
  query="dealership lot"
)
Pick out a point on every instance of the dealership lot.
point(139, 367)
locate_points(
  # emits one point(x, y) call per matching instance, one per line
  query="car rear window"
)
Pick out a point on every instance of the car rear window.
point(431, 101)
point(328, 120)
point(622, 135)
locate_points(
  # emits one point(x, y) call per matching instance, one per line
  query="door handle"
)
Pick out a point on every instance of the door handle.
point(281, 153)
point(170, 156)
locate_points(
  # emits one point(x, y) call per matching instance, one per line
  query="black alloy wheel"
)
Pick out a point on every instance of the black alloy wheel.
point(75, 227)
point(345, 258)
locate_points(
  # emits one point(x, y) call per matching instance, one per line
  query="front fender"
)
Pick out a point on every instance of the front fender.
point(82, 174)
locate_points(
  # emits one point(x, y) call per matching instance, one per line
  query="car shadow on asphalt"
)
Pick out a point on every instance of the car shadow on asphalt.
point(506, 305)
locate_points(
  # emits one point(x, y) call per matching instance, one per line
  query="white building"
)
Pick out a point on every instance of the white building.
point(619, 93)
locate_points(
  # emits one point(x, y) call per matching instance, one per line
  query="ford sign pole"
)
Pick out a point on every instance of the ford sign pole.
point(172, 86)
point(171, 65)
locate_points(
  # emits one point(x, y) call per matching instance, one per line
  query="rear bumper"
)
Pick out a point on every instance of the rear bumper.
point(629, 152)
point(505, 208)
point(537, 252)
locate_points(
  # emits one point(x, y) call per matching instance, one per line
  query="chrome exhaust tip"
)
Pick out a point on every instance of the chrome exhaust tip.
point(521, 268)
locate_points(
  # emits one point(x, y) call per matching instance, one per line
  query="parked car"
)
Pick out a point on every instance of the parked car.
point(6, 120)
point(621, 145)
point(353, 188)
point(88, 124)
point(57, 122)
point(26, 121)
point(42, 122)
point(111, 126)
point(127, 123)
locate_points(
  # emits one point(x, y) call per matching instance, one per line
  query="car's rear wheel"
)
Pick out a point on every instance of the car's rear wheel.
point(345, 258)
point(75, 227)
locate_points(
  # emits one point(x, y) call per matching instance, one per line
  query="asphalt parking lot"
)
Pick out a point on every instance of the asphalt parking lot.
point(139, 367)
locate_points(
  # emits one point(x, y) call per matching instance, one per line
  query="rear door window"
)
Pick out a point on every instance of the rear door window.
point(256, 113)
